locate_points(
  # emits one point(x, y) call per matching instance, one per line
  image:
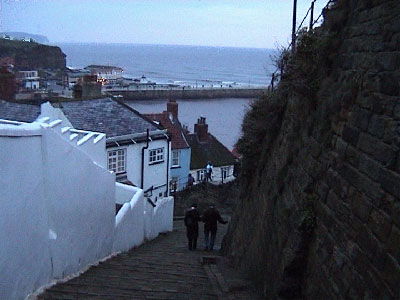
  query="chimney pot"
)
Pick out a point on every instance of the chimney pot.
point(172, 107)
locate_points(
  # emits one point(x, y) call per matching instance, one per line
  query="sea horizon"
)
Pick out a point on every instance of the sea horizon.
point(183, 64)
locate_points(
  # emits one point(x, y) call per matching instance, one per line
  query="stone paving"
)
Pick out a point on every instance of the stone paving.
point(159, 270)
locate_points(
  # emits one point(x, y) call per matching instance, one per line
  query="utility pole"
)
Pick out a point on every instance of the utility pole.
point(312, 15)
point(1, 16)
point(294, 26)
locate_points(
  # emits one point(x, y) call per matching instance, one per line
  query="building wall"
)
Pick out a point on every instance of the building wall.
point(183, 170)
point(154, 174)
point(43, 180)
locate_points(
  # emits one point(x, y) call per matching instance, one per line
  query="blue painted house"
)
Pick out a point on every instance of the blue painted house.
point(181, 152)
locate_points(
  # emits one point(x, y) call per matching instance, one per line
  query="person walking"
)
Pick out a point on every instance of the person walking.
point(209, 170)
point(192, 218)
point(210, 218)
point(190, 180)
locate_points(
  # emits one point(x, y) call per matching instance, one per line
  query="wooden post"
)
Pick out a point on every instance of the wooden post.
point(294, 26)
point(312, 15)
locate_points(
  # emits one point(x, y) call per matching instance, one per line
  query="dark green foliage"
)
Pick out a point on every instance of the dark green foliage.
point(260, 127)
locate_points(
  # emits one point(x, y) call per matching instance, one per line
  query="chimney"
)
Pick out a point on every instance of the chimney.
point(201, 129)
point(172, 107)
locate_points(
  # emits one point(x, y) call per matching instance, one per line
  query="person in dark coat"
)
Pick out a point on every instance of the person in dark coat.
point(210, 218)
point(192, 218)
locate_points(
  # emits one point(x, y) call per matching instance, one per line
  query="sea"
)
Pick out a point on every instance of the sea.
point(193, 65)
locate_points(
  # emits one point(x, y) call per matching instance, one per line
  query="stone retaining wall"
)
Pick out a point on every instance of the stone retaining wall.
point(321, 218)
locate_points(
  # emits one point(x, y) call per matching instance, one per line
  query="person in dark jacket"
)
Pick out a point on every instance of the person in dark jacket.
point(210, 218)
point(192, 218)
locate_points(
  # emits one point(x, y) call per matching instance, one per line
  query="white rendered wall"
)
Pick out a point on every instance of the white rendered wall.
point(57, 213)
point(80, 204)
point(155, 174)
point(129, 222)
point(163, 215)
point(24, 251)
point(96, 149)
point(47, 110)
point(57, 210)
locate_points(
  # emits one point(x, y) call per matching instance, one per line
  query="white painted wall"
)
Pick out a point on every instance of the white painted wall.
point(84, 235)
point(47, 110)
point(24, 251)
point(154, 174)
point(47, 230)
point(57, 210)
point(94, 147)
point(129, 222)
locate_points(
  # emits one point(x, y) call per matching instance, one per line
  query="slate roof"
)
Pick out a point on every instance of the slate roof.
point(107, 116)
point(18, 111)
point(211, 150)
point(178, 140)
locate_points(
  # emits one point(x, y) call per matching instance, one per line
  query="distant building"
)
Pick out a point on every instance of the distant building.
point(206, 148)
point(87, 87)
point(106, 74)
point(74, 76)
point(180, 154)
point(29, 80)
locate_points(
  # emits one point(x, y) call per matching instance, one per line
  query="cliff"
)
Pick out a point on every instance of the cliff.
point(31, 55)
point(319, 215)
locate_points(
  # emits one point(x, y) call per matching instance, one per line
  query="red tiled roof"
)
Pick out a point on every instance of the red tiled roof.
point(178, 140)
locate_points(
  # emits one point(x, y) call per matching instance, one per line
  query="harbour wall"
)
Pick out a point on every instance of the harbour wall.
point(190, 93)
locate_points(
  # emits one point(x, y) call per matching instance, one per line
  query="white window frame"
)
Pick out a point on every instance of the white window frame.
point(176, 158)
point(156, 155)
point(116, 160)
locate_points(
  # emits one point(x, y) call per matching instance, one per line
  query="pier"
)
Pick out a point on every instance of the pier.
point(189, 93)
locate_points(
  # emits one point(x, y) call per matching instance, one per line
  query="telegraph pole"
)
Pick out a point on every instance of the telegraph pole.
point(1, 16)
point(294, 26)
point(312, 15)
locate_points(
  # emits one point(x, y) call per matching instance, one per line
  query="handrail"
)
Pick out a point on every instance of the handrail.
point(276, 73)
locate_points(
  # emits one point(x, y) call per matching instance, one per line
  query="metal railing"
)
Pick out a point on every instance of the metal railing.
point(279, 70)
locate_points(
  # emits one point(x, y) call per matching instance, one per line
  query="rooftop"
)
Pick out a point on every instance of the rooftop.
point(209, 150)
point(178, 140)
point(107, 116)
point(18, 111)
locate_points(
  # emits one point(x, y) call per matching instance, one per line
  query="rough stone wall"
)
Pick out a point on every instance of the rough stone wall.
point(320, 210)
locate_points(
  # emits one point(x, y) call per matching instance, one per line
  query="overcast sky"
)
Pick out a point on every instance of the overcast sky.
point(236, 23)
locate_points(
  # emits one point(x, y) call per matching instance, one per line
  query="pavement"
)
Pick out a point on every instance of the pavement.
point(159, 270)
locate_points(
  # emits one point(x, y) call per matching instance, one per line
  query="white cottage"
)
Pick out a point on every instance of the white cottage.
point(137, 150)
point(206, 148)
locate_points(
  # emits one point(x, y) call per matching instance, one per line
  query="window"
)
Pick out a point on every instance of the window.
point(117, 161)
point(156, 155)
point(200, 175)
point(175, 158)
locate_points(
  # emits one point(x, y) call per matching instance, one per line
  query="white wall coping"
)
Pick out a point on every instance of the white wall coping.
point(14, 128)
